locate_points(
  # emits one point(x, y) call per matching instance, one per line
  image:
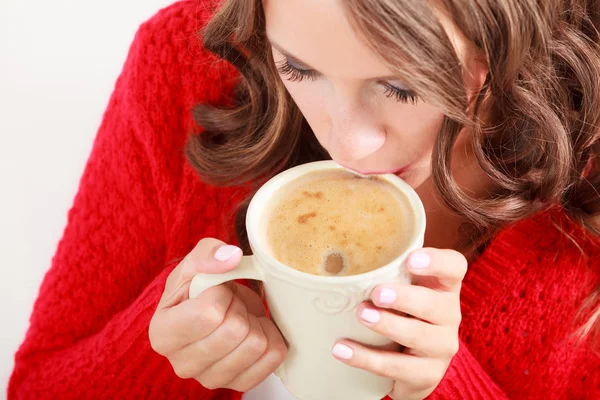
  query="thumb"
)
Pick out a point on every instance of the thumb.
point(210, 256)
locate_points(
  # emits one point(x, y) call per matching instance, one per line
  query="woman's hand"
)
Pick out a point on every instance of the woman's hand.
point(429, 333)
point(223, 338)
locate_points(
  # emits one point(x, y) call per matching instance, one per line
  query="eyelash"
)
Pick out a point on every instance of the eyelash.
point(294, 74)
point(401, 95)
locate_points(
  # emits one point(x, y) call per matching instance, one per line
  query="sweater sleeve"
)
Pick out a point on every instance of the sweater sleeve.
point(466, 380)
point(88, 334)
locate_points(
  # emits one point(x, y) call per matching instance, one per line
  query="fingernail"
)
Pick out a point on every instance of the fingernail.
point(342, 351)
point(387, 296)
point(370, 315)
point(419, 260)
point(225, 252)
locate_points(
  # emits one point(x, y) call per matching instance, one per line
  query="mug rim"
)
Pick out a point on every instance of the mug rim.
point(261, 198)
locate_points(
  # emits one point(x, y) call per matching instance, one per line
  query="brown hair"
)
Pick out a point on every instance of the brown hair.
point(539, 139)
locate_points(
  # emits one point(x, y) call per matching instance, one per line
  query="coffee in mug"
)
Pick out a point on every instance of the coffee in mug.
point(335, 222)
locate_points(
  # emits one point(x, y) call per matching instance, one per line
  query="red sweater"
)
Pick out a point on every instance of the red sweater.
point(140, 207)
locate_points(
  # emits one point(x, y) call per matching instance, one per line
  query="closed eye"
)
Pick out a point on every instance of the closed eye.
point(293, 73)
point(296, 74)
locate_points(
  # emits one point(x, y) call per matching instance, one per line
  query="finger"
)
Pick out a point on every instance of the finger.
point(193, 359)
point(410, 371)
point(174, 328)
point(267, 363)
point(223, 371)
point(209, 256)
point(439, 308)
point(251, 299)
point(439, 269)
point(421, 337)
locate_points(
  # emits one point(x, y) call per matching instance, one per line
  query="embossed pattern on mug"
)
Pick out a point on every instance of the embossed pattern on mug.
point(337, 223)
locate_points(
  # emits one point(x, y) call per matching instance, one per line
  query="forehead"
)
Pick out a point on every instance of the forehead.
point(318, 33)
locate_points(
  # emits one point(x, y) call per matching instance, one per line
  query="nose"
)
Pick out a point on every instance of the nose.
point(354, 134)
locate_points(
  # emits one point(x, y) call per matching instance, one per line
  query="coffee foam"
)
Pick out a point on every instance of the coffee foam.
point(337, 219)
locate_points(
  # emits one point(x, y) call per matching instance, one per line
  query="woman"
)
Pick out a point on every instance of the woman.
point(488, 109)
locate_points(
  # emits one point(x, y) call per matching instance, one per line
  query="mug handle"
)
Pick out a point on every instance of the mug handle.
point(247, 269)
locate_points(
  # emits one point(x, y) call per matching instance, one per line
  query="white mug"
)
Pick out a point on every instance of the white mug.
point(313, 311)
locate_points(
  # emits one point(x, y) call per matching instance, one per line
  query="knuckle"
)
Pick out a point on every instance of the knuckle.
point(451, 304)
point(217, 382)
point(209, 384)
point(256, 342)
point(398, 393)
point(428, 311)
point(212, 316)
point(434, 375)
point(453, 347)
point(456, 261)
point(415, 338)
point(214, 379)
point(158, 341)
point(245, 387)
point(153, 337)
point(173, 276)
point(275, 354)
point(245, 384)
point(412, 342)
point(452, 343)
point(388, 368)
point(158, 345)
point(457, 317)
point(404, 298)
point(235, 328)
point(431, 379)
point(461, 265)
point(198, 255)
point(183, 370)
point(207, 242)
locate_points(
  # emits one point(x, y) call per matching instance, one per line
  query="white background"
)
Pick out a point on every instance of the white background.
point(59, 61)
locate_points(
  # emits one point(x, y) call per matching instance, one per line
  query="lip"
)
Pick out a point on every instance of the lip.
point(401, 171)
point(394, 172)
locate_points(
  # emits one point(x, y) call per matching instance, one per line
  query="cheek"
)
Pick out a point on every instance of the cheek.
point(412, 132)
point(307, 97)
point(413, 128)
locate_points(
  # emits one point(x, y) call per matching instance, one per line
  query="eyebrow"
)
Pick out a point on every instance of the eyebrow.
point(304, 65)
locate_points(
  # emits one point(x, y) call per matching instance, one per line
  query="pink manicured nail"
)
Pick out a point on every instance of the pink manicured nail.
point(370, 315)
point(225, 252)
point(419, 260)
point(342, 351)
point(387, 296)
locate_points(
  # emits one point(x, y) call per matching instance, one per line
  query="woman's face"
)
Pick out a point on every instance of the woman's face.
point(360, 113)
